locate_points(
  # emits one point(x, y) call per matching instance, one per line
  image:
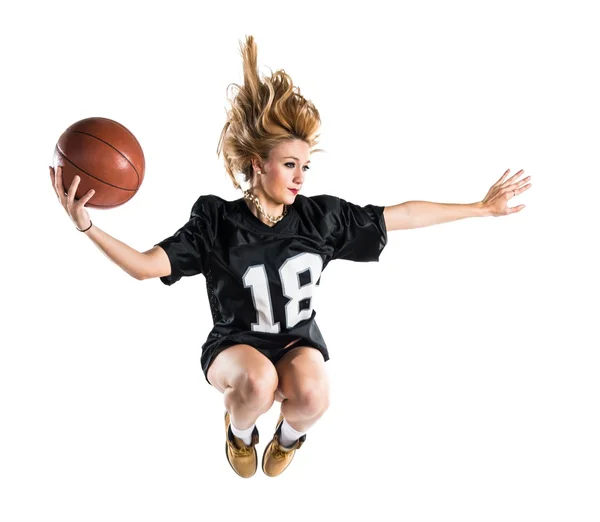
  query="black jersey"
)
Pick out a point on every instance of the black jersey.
point(260, 278)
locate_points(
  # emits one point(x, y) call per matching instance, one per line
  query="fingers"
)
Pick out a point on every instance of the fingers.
point(58, 184)
point(515, 176)
point(53, 180)
point(75, 208)
point(519, 190)
point(512, 210)
point(503, 182)
point(518, 187)
point(72, 191)
point(502, 178)
point(521, 185)
point(82, 201)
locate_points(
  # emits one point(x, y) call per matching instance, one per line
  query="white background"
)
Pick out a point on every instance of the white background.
point(464, 365)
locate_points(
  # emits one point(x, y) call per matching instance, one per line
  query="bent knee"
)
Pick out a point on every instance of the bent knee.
point(256, 386)
point(312, 401)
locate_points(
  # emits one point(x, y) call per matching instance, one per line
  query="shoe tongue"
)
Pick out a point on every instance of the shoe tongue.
point(239, 442)
point(292, 447)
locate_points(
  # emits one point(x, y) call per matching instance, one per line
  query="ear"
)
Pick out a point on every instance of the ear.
point(256, 164)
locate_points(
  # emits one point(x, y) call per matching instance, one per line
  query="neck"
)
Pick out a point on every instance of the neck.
point(269, 206)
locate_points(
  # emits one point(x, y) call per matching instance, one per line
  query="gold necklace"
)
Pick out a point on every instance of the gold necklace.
point(248, 195)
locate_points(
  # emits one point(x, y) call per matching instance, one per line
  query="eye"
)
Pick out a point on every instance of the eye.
point(306, 167)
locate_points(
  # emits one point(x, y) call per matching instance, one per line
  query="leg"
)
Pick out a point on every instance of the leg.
point(304, 386)
point(248, 381)
point(278, 396)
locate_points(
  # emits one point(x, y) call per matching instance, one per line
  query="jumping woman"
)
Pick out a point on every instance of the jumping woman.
point(262, 256)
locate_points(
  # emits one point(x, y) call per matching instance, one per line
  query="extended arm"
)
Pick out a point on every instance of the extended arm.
point(140, 265)
point(415, 214)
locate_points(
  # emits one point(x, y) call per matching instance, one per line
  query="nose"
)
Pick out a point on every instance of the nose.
point(299, 176)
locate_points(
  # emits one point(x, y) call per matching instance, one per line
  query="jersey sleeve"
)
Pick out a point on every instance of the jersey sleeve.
point(360, 234)
point(357, 233)
point(189, 247)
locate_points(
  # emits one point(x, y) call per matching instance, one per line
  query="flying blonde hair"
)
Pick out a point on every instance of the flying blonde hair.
point(262, 115)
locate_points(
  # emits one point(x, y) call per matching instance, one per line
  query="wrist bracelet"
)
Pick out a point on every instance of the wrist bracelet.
point(86, 228)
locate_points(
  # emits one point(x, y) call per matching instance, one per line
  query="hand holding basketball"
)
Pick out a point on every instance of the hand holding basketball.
point(105, 156)
point(75, 208)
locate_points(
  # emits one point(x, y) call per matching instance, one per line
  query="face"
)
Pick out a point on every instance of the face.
point(284, 170)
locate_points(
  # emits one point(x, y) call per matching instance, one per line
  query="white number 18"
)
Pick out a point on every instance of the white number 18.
point(255, 278)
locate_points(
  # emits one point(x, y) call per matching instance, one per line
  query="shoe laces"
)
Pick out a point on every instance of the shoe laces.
point(244, 451)
point(279, 454)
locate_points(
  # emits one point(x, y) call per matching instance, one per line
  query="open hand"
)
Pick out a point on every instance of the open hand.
point(495, 202)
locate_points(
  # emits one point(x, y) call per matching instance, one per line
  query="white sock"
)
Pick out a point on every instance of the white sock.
point(245, 435)
point(288, 434)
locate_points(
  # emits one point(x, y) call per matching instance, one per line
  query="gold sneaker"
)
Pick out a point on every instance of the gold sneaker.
point(277, 458)
point(243, 459)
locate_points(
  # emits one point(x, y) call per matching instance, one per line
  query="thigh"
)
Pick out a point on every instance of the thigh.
point(237, 362)
point(300, 369)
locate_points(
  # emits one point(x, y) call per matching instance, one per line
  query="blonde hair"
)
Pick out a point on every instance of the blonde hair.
point(262, 115)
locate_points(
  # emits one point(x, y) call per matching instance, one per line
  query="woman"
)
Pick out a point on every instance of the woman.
point(262, 256)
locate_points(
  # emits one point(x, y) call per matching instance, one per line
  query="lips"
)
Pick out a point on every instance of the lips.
point(294, 191)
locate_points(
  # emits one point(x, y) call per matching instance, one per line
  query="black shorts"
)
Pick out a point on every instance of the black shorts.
point(271, 346)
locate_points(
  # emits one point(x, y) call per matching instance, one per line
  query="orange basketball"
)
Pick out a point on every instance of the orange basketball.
point(106, 156)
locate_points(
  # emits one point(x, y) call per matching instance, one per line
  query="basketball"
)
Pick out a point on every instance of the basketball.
point(106, 156)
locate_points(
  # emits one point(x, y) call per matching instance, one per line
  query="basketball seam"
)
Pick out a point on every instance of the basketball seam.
point(135, 139)
point(129, 132)
point(117, 150)
point(98, 179)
